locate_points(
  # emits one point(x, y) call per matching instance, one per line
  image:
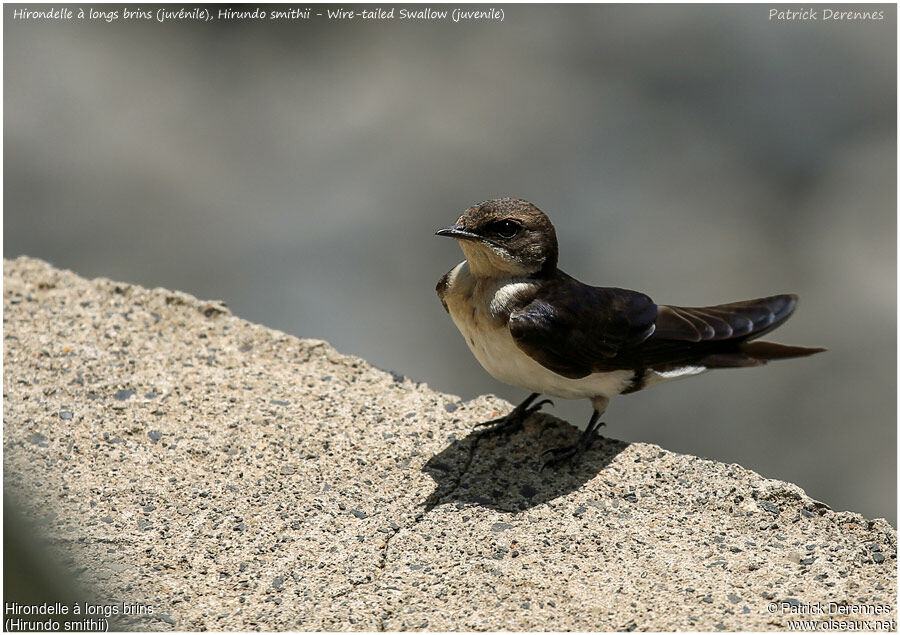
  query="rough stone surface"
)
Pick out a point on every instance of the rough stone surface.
point(235, 477)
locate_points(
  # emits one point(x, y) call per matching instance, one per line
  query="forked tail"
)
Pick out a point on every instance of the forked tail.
point(764, 351)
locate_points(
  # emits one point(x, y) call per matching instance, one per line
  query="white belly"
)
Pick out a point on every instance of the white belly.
point(498, 353)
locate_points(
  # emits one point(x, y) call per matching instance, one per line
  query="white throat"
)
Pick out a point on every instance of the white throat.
point(487, 261)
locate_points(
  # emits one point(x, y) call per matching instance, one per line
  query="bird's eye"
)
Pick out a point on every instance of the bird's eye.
point(505, 228)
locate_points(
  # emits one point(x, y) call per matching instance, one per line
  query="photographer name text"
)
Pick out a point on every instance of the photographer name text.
point(818, 14)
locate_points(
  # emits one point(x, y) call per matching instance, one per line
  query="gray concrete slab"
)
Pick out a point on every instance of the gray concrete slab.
point(235, 477)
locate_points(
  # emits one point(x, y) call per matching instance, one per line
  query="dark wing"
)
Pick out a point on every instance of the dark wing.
point(716, 336)
point(575, 329)
point(442, 287)
point(745, 320)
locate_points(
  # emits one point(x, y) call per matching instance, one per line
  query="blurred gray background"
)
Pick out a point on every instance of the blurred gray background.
point(298, 171)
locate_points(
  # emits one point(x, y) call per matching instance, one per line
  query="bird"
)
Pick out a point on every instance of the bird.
point(531, 325)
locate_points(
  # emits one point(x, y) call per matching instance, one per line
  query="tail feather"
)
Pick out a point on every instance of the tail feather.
point(721, 336)
point(765, 351)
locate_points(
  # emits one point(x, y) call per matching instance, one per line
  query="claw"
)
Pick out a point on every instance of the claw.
point(512, 422)
point(538, 405)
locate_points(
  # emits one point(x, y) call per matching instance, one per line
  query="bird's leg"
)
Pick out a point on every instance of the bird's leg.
point(572, 453)
point(513, 421)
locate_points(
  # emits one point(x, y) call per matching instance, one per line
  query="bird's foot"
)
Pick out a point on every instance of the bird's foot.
point(512, 422)
point(572, 454)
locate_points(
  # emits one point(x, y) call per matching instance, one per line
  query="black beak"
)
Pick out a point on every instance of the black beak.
point(457, 232)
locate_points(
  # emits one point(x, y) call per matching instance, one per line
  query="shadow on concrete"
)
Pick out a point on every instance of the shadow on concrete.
point(503, 472)
point(35, 575)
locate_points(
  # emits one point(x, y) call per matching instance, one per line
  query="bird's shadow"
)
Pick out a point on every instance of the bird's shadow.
point(503, 471)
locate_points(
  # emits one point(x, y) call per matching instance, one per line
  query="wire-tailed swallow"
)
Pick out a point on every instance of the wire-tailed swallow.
point(531, 325)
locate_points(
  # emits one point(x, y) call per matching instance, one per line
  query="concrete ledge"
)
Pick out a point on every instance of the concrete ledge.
point(234, 477)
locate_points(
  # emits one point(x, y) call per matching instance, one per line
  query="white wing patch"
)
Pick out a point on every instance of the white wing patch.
point(505, 296)
point(655, 377)
point(681, 372)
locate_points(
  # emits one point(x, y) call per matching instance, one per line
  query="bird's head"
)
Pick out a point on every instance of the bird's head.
point(505, 237)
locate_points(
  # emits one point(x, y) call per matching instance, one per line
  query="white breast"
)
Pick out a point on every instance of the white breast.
point(499, 354)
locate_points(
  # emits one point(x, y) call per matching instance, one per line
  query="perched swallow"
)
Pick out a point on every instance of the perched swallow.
point(531, 325)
